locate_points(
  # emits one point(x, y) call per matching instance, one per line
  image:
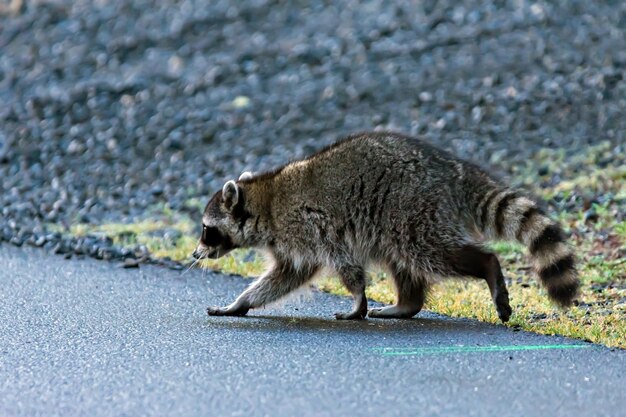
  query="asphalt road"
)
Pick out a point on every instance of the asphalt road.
point(87, 338)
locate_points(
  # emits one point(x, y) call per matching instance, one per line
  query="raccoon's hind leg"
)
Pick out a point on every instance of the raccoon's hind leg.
point(474, 261)
point(282, 279)
point(411, 293)
point(353, 277)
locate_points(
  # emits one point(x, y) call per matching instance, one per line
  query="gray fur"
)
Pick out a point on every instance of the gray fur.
point(379, 198)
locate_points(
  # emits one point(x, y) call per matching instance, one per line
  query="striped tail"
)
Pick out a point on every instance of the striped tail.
point(506, 214)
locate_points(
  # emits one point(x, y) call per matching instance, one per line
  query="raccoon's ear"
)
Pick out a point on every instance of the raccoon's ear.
point(245, 176)
point(230, 195)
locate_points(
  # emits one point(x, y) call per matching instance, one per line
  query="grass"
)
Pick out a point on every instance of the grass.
point(599, 240)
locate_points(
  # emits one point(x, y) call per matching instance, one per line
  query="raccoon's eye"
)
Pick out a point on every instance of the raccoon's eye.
point(211, 236)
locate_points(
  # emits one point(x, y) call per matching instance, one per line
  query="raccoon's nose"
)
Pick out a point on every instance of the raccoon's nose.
point(196, 254)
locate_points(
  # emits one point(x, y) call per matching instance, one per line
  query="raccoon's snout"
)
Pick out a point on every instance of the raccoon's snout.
point(203, 252)
point(206, 253)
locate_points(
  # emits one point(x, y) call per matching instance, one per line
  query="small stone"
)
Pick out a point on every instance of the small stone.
point(131, 263)
point(241, 102)
point(591, 216)
point(156, 191)
point(425, 97)
point(61, 248)
point(75, 147)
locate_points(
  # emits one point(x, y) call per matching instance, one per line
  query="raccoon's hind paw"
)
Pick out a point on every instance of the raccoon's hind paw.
point(353, 315)
point(502, 306)
point(504, 311)
point(226, 311)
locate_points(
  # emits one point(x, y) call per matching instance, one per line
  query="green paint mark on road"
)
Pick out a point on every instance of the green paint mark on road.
point(470, 349)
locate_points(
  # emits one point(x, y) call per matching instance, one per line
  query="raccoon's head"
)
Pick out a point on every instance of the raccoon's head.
point(223, 223)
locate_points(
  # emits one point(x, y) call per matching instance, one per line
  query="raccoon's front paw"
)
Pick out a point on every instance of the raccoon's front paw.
point(226, 311)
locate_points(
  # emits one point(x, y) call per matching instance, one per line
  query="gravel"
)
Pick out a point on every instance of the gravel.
point(110, 109)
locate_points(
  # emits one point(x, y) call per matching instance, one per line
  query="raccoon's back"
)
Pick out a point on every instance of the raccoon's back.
point(380, 183)
point(396, 174)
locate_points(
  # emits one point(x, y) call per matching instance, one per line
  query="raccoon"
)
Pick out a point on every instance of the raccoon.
point(387, 199)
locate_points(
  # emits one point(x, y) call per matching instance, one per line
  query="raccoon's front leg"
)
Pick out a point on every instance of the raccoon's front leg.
point(353, 277)
point(282, 279)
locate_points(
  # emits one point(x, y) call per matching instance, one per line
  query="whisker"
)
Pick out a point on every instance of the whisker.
point(204, 269)
point(194, 263)
point(188, 268)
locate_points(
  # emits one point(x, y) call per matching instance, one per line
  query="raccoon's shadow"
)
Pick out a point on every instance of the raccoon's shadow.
point(325, 324)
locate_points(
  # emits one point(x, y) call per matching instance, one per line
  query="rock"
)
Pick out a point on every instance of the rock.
point(591, 216)
point(131, 263)
point(425, 97)
point(61, 248)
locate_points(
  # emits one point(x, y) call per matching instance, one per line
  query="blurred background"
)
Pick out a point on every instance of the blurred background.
point(109, 107)
point(119, 118)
